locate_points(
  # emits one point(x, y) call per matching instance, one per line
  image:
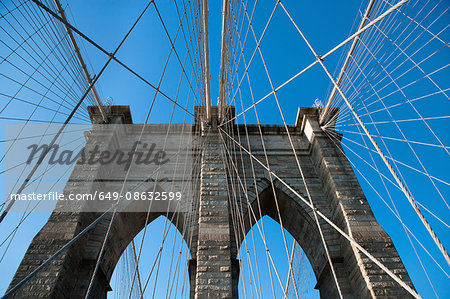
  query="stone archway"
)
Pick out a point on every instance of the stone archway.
point(69, 274)
point(214, 270)
point(302, 227)
point(335, 192)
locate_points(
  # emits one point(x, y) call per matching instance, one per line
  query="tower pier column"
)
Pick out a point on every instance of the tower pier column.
point(217, 271)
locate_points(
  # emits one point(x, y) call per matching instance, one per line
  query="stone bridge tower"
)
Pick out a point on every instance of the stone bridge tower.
point(214, 243)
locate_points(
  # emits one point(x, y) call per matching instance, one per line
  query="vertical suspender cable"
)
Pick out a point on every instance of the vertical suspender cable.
point(378, 149)
point(347, 60)
point(81, 60)
point(206, 74)
point(223, 68)
point(66, 122)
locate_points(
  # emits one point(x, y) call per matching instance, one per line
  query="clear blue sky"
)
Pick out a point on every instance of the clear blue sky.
point(326, 24)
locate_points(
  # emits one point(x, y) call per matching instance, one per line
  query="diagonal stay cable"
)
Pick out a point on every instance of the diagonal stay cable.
point(48, 149)
point(38, 49)
point(390, 181)
point(406, 140)
point(408, 195)
point(270, 260)
point(324, 243)
point(173, 48)
point(72, 241)
point(145, 123)
point(397, 212)
point(344, 42)
point(331, 223)
point(325, 112)
point(111, 56)
point(11, 10)
point(332, 135)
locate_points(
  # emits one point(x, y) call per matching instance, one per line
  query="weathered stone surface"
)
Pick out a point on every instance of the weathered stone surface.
point(215, 237)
